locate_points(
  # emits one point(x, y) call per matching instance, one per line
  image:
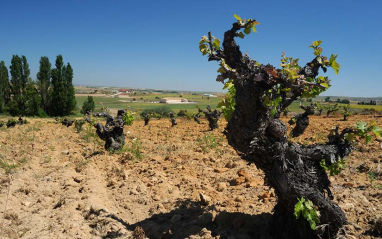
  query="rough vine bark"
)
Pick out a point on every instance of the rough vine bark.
point(301, 120)
point(11, 123)
point(211, 116)
point(173, 120)
point(196, 118)
point(67, 122)
point(255, 131)
point(112, 131)
point(146, 118)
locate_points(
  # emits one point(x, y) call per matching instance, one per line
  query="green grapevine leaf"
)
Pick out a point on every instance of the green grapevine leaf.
point(204, 40)
point(349, 137)
point(306, 213)
point(240, 34)
point(266, 100)
point(204, 49)
point(292, 72)
point(333, 63)
point(360, 125)
point(316, 43)
point(276, 102)
point(368, 138)
point(237, 17)
point(299, 207)
point(129, 118)
point(227, 105)
point(332, 58)
point(363, 130)
point(226, 67)
point(325, 85)
point(321, 79)
point(334, 168)
point(323, 165)
point(247, 31)
point(306, 209)
point(309, 205)
point(336, 67)
point(216, 44)
point(377, 131)
point(254, 26)
point(228, 84)
point(221, 70)
point(318, 52)
point(312, 224)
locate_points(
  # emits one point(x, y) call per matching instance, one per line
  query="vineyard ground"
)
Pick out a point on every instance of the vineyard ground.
point(168, 182)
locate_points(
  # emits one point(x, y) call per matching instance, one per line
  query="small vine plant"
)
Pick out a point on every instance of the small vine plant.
point(362, 130)
point(334, 168)
point(227, 105)
point(129, 118)
point(307, 210)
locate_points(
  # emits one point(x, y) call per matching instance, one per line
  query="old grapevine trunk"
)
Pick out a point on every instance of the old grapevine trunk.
point(212, 117)
point(292, 170)
point(301, 120)
point(112, 131)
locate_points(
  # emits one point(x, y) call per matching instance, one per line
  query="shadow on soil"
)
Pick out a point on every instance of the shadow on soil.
point(189, 218)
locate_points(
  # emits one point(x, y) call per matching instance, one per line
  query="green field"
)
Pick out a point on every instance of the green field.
point(143, 102)
point(361, 107)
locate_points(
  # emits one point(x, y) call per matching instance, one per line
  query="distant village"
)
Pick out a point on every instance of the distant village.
point(128, 93)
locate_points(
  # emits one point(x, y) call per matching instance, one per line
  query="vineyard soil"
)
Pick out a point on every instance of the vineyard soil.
point(168, 182)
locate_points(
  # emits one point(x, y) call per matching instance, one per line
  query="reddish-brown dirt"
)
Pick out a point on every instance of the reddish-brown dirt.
point(170, 182)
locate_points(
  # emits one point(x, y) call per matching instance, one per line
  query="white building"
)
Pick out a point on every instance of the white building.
point(209, 95)
point(173, 100)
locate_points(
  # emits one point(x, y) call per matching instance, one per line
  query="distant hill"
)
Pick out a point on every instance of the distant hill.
point(351, 98)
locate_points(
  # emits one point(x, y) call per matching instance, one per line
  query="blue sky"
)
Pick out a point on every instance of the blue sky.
point(154, 44)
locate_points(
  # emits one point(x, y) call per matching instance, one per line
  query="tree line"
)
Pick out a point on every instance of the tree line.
point(52, 93)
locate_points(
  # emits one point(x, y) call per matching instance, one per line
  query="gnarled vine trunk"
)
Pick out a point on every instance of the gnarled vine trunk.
point(212, 117)
point(66, 122)
point(196, 118)
point(173, 120)
point(112, 131)
point(260, 137)
point(301, 120)
point(146, 118)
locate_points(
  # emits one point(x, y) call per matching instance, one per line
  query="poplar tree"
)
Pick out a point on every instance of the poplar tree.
point(44, 82)
point(32, 98)
point(57, 94)
point(19, 75)
point(70, 99)
point(62, 94)
point(4, 86)
point(25, 72)
point(88, 105)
